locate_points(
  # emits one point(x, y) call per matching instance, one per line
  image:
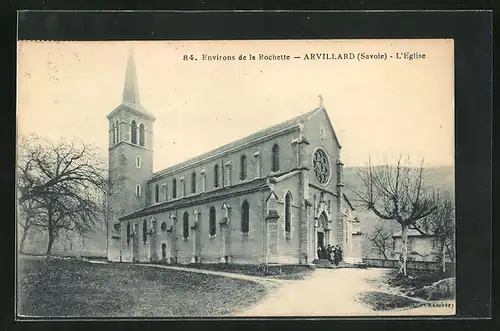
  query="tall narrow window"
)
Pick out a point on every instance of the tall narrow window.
point(212, 228)
point(157, 193)
point(245, 215)
point(216, 175)
point(193, 182)
point(174, 188)
point(275, 166)
point(113, 134)
point(138, 162)
point(144, 231)
point(203, 181)
point(410, 244)
point(288, 214)
point(138, 190)
point(141, 135)
point(117, 132)
point(243, 167)
point(128, 233)
point(185, 225)
point(165, 192)
point(133, 132)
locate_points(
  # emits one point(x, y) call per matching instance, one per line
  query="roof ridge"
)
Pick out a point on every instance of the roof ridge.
point(304, 117)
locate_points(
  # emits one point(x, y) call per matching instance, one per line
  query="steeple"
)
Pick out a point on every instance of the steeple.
point(131, 88)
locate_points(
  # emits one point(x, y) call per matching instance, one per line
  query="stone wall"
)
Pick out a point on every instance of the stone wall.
point(243, 247)
point(410, 265)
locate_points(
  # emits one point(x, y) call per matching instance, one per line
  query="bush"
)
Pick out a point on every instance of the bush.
point(416, 279)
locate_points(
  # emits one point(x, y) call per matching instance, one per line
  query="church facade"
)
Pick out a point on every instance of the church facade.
point(270, 198)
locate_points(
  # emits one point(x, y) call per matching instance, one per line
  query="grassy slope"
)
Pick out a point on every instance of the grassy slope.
point(76, 288)
point(290, 272)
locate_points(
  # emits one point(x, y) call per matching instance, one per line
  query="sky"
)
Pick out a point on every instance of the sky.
point(377, 107)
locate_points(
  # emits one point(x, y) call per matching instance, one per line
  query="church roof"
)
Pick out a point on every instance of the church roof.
point(201, 198)
point(289, 124)
point(411, 233)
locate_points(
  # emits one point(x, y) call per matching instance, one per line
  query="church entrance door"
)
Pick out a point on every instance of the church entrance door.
point(321, 239)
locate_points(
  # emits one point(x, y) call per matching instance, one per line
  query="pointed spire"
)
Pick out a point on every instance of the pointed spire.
point(131, 88)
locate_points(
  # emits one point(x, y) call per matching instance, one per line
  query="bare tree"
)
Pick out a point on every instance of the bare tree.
point(441, 225)
point(29, 212)
point(67, 180)
point(381, 240)
point(396, 193)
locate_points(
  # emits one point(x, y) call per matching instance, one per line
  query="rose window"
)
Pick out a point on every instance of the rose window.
point(321, 166)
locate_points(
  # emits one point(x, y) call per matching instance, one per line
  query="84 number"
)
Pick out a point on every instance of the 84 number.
point(189, 57)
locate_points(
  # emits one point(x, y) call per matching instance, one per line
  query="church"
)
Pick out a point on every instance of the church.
point(273, 197)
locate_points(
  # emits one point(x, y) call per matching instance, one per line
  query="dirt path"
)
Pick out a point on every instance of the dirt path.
point(330, 293)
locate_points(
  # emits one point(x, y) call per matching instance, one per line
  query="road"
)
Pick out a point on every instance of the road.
point(329, 292)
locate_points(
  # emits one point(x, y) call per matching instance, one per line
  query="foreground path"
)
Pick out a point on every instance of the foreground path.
point(330, 292)
point(327, 292)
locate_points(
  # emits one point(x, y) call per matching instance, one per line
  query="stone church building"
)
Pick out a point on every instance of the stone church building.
point(270, 198)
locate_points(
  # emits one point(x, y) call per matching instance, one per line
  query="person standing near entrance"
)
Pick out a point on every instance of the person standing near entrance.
point(329, 253)
point(336, 255)
point(319, 252)
point(340, 253)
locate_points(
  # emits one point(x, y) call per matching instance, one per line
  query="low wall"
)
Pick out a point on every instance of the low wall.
point(410, 265)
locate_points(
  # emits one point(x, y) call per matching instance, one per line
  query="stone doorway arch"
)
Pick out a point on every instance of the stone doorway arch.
point(322, 237)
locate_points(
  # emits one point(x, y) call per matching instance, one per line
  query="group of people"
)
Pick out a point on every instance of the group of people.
point(332, 253)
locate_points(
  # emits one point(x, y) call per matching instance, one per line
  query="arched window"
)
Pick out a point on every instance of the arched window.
point(216, 175)
point(117, 132)
point(185, 225)
point(275, 166)
point(133, 132)
point(174, 188)
point(128, 233)
point(288, 211)
point(212, 229)
point(193, 182)
point(163, 226)
point(163, 250)
point(113, 139)
point(243, 167)
point(157, 193)
point(145, 231)
point(245, 216)
point(141, 134)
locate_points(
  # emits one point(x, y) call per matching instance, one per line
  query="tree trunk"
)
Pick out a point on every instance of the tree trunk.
point(23, 240)
point(404, 249)
point(50, 229)
point(51, 241)
point(443, 255)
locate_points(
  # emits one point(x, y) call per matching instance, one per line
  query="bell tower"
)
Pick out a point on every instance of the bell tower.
point(130, 158)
